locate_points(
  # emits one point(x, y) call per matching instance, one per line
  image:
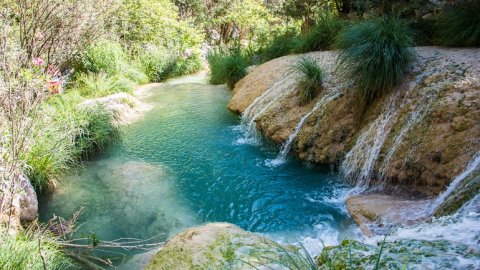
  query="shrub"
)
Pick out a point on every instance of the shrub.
point(227, 66)
point(101, 84)
point(21, 252)
point(376, 54)
point(459, 25)
point(311, 78)
point(281, 45)
point(105, 56)
point(322, 36)
point(66, 134)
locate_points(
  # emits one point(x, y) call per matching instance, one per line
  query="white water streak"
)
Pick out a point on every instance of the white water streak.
point(359, 162)
point(262, 104)
point(473, 165)
point(286, 147)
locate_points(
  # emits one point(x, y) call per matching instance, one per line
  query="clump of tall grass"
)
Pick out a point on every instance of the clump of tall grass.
point(459, 25)
point(227, 66)
point(323, 34)
point(101, 84)
point(66, 135)
point(376, 54)
point(311, 78)
point(21, 251)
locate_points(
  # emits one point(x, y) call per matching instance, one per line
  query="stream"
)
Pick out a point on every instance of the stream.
point(181, 165)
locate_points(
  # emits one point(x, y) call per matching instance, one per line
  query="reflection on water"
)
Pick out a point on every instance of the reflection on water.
point(180, 166)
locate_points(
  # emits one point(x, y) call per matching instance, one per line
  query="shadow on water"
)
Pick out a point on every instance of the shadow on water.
point(180, 166)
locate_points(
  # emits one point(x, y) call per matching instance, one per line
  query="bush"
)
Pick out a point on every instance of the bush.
point(66, 135)
point(281, 45)
point(322, 36)
point(105, 56)
point(459, 25)
point(101, 84)
point(21, 252)
point(160, 65)
point(227, 66)
point(376, 54)
point(311, 78)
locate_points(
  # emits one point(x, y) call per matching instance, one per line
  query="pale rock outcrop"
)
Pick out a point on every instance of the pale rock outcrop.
point(218, 246)
point(424, 132)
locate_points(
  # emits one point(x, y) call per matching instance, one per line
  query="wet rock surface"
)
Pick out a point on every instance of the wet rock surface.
point(418, 137)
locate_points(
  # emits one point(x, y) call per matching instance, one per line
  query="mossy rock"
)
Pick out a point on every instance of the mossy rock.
point(465, 191)
point(219, 246)
point(400, 254)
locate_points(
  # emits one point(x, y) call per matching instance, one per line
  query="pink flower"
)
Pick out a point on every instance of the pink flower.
point(55, 86)
point(38, 61)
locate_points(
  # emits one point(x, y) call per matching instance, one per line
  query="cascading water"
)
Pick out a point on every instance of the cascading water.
point(360, 160)
point(286, 147)
point(260, 105)
point(472, 166)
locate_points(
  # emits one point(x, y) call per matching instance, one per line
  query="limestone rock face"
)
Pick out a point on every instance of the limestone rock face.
point(28, 201)
point(124, 108)
point(217, 246)
point(418, 137)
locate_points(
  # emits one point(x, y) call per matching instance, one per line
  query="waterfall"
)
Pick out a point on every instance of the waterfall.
point(260, 105)
point(359, 162)
point(286, 147)
point(473, 165)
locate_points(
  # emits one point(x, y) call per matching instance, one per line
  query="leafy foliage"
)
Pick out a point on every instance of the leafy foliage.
point(227, 66)
point(376, 54)
point(323, 34)
point(311, 78)
point(459, 25)
point(281, 45)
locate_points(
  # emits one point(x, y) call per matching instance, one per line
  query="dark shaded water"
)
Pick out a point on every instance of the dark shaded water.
point(180, 166)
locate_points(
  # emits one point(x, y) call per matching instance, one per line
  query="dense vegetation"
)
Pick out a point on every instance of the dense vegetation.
point(56, 54)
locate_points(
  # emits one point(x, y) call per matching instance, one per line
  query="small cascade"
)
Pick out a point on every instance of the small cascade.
point(260, 105)
point(286, 147)
point(360, 160)
point(473, 165)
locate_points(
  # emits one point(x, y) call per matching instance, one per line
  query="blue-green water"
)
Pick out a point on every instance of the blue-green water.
point(180, 166)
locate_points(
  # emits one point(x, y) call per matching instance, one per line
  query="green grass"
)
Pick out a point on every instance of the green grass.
point(311, 77)
point(67, 134)
point(459, 25)
point(22, 252)
point(159, 64)
point(322, 36)
point(376, 54)
point(227, 66)
point(93, 85)
point(104, 57)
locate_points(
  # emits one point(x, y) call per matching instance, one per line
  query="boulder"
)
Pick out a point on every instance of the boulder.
point(218, 246)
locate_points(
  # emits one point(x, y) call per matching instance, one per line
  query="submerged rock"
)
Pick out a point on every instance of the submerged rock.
point(218, 246)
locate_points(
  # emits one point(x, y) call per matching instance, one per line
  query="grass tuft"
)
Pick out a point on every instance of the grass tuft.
point(227, 66)
point(99, 85)
point(376, 54)
point(21, 252)
point(311, 78)
point(459, 25)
